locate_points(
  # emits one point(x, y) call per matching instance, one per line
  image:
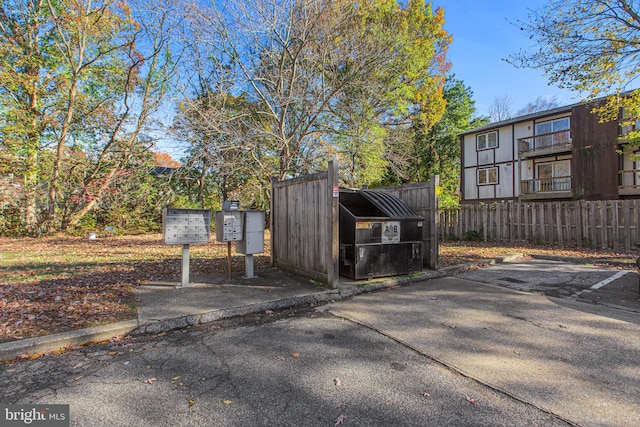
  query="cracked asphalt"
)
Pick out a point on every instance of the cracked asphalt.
point(295, 367)
point(551, 345)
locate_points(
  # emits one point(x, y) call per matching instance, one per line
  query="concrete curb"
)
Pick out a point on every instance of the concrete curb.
point(13, 349)
point(577, 260)
point(323, 297)
point(486, 261)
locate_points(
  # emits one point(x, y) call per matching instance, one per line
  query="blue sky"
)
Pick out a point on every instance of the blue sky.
point(482, 36)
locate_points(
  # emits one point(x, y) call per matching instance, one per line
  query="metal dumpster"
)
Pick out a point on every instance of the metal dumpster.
point(379, 235)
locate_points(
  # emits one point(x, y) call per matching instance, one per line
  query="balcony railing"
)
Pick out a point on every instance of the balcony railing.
point(546, 185)
point(554, 141)
point(629, 182)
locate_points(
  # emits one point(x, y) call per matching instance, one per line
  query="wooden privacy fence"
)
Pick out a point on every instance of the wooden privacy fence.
point(597, 224)
point(422, 198)
point(304, 225)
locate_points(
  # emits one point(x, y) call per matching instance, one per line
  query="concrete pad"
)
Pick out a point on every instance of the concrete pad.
point(578, 365)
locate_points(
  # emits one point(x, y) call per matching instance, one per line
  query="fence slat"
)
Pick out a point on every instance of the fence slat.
point(611, 224)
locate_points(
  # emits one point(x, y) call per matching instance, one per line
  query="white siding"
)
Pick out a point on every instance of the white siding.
point(523, 130)
point(470, 156)
point(504, 153)
point(505, 189)
point(486, 191)
point(470, 187)
point(485, 157)
point(526, 169)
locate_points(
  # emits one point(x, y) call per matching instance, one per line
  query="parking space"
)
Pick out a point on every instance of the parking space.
point(611, 287)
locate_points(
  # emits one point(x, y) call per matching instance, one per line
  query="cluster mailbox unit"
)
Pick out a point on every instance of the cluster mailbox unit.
point(185, 227)
point(245, 228)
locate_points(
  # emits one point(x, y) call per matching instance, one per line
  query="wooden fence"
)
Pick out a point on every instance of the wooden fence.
point(304, 225)
point(611, 224)
point(422, 198)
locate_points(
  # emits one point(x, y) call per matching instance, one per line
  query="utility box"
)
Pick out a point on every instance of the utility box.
point(229, 226)
point(253, 242)
point(186, 226)
point(379, 235)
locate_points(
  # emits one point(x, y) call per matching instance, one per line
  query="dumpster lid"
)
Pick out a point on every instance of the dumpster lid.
point(389, 204)
point(380, 204)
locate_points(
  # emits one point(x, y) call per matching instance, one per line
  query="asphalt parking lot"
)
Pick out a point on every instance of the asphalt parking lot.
point(518, 343)
point(610, 287)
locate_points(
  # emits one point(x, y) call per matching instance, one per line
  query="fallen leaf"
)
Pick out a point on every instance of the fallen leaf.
point(176, 378)
point(295, 354)
point(79, 377)
point(471, 400)
point(191, 402)
point(340, 420)
point(151, 380)
point(227, 402)
point(148, 366)
point(337, 382)
point(516, 352)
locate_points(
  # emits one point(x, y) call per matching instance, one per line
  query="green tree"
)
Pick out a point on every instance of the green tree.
point(323, 79)
point(381, 101)
point(27, 80)
point(91, 75)
point(437, 148)
point(589, 46)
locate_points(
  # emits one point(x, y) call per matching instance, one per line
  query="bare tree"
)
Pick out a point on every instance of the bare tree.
point(321, 78)
point(541, 103)
point(500, 109)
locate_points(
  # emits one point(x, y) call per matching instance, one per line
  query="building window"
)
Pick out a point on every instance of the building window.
point(487, 140)
point(552, 132)
point(628, 123)
point(487, 176)
point(554, 176)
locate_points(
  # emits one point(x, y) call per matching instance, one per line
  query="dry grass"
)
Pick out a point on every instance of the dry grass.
point(55, 284)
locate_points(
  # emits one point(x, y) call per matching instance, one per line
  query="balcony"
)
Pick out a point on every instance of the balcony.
point(545, 144)
point(629, 184)
point(546, 188)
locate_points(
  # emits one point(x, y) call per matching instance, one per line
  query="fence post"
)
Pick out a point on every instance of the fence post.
point(333, 246)
point(433, 230)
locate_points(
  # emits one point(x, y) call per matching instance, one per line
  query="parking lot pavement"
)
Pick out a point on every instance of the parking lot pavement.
point(576, 360)
point(299, 370)
point(596, 285)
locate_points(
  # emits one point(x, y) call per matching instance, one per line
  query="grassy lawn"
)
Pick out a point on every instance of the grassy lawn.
point(55, 284)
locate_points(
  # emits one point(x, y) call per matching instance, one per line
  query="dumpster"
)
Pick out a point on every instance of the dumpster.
point(379, 235)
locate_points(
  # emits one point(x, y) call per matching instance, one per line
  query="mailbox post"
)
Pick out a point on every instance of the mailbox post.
point(185, 227)
point(229, 226)
point(245, 228)
point(253, 242)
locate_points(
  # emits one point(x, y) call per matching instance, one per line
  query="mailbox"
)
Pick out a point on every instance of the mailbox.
point(185, 226)
point(229, 226)
point(253, 242)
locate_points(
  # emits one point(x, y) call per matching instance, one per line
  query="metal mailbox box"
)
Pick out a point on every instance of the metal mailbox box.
point(253, 242)
point(229, 226)
point(186, 226)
